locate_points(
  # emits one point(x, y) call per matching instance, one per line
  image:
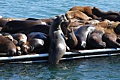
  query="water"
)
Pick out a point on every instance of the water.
point(104, 68)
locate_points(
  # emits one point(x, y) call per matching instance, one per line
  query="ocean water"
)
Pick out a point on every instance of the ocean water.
point(103, 68)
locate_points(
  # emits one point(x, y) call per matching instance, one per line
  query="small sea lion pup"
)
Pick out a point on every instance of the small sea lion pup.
point(81, 34)
point(57, 41)
point(7, 47)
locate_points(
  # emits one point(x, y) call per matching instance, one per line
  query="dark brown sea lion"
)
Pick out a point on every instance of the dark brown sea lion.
point(68, 27)
point(110, 38)
point(3, 21)
point(7, 46)
point(19, 25)
point(57, 41)
point(37, 42)
point(110, 15)
point(94, 40)
point(35, 19)
point(37, 28)
point(42, 42)
point(117, 29)
point(33, 46)
point(46, 21)
point(72, 40)
point(10, 37)
point(81, 34)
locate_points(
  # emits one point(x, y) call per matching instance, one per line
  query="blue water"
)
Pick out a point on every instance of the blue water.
point(104, 68)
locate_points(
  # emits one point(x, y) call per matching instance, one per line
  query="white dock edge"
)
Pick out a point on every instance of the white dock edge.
point(67, 53)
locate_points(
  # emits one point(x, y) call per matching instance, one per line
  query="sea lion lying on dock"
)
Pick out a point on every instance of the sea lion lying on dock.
point(110, 15)
point(37, 28)
point(110, 38)
point(19, 25)
point(81, 34)
point(3, 20)
point(7, 47)
point(94, 40)
point(85, 9)
point(77, 15)
point(37, 42)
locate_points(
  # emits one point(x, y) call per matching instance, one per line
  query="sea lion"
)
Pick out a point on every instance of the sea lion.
point(81, 34)
point(7, 47)
point(117, 29)
point(10, 37)
point(106, 24)
point(94, 40)
point(110, 15)
point(68, 31)
point(85, 9)
point(19, 25)
point(59, 48)
point(57, 41)
point(32, 46)
point(39, 37)
point(77, 15)
point(3, 21)
point(47, 21)
point(110, 38)
point(38, 42)
point(71, 38)
point(37, 28)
